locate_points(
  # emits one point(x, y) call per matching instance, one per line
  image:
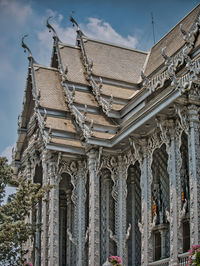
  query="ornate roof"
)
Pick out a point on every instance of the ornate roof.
point(93, 93)
point(173, 41)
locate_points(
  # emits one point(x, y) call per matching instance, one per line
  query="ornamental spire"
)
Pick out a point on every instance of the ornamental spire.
point(26, 48)
point(106, 105)
point(51, 29)
point(74, 22)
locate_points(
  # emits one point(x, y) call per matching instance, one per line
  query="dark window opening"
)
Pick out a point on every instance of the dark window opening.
point(186, 236)
point(157, 246)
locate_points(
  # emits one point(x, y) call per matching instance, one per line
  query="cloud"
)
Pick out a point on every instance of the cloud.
point(94, 28)
point(15, 11)
point(8, 153)
point(100, 30)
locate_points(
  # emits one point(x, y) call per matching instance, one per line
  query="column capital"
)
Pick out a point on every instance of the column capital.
point(193, 113)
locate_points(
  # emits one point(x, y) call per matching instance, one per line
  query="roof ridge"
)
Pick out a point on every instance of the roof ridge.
point(45, 67)
point(96, 87)
point(117, 45)
point(69, 45)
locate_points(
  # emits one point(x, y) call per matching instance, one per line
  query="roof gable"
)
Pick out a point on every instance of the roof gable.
point(173, 41)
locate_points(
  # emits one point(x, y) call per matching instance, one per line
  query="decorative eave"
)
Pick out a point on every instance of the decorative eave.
point(181, 73)
point(174, 62)
point(22, 126)
point(96, 86)
point(172, 66)
point(79, 118)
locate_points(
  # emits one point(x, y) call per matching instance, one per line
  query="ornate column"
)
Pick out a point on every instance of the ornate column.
point(119, 193)
point(53, 244)
point(28, 174)
point(194, 173)
point(45, 214)
point(171, 137)
point(79, 179)
point(105, 214)
point(37, 235)
point(145, 158)
point(94, 227)
point(133, 218)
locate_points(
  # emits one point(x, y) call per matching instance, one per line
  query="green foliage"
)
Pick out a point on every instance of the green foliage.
point(14, 228)
point(5, 177)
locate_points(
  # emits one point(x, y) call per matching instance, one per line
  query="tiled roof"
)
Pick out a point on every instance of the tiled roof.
point(120, 70)
point(71, 56)
point(115, 62)
point(173, 41)
point(119, 92)
point(48, 81)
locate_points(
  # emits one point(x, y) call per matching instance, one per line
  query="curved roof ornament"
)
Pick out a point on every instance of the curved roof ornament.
point(74, 22)
point(26, 48)
point(168, 59)
point(51, 29)
point(145, 80)
point(186, 36)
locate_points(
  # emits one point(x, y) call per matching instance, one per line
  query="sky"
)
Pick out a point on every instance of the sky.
point(124, 22)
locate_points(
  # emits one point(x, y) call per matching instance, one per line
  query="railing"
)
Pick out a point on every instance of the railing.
point(163, 262)
point(183, 258)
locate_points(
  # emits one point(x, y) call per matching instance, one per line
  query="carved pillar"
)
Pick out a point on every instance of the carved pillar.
point(38, 235)
point(45, 215)
point(79, 198)
point(53, 216)
point(171, 135)
point(105, 215)
point(194, 173)
point(119, 176)
point(133, 218)
point(174, 165)
point(29, 244)
point(145, 184)
point(94, 234)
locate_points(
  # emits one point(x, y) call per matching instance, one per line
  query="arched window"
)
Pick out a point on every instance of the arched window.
point(185, 193)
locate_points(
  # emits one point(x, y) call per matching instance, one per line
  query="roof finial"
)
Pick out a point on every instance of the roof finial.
point(168, 59)
point(74, 22)
point(55, 36)
point(185, 34)
point(26, 48)
point(145, 80)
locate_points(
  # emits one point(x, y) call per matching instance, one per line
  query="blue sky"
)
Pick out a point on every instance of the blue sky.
point(127, 22)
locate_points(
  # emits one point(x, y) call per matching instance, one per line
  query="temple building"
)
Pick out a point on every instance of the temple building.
point(116, 132)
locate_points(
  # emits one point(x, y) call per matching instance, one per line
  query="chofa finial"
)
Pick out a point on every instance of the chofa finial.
point(26, 48)
point(55, 36)
point(166, 57)
point(73, 20)
point(185, 34)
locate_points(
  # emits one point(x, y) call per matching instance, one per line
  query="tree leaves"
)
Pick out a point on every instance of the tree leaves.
point(16, 227)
